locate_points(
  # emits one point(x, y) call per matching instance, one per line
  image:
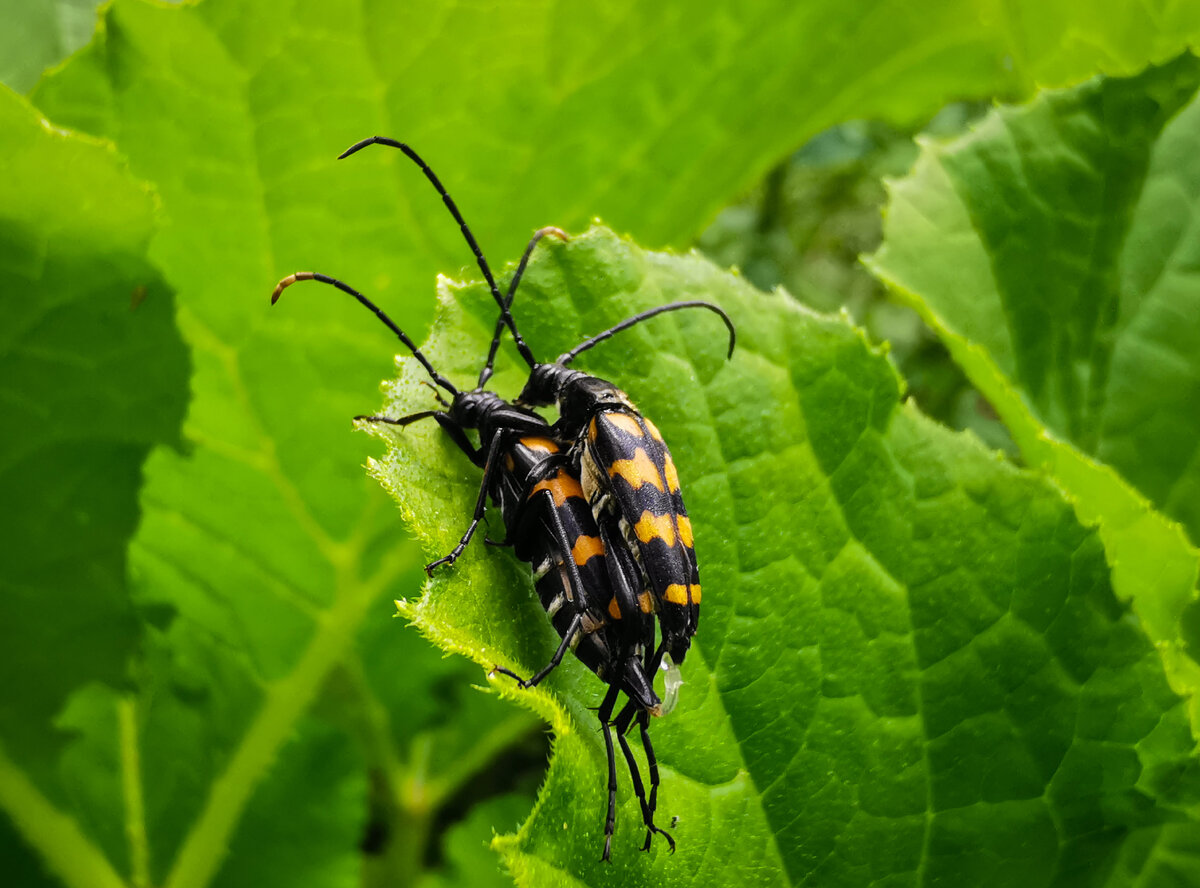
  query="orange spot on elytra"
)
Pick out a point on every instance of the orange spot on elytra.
point(685, 529)
point(637, 471)
point(671, 474)
point(562, 487)
point(651, 526)
point(543, 444)
point(677, 593)
point(625, 423)
point(586, 547)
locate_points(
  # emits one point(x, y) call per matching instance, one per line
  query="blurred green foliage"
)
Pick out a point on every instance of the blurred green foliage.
point(804, 227)
point(36, 36)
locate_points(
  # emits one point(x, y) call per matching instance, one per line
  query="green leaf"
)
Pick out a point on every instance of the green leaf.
point(431, 741)
point(38, 35)
point(1166, 855)
point(162, 780)
point(470, 862)
point(262, 551)
point(92, 376)
point(910, 664)
point(1050, 249)
point(304, 825)
point(648, 116)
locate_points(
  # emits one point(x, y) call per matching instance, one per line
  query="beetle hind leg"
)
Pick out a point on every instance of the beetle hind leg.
point(610, 821)
point(649, 803)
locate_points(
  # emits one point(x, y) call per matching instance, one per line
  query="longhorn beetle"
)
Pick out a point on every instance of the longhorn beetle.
point(588, 581)
point(625, 465)
point(638, 566)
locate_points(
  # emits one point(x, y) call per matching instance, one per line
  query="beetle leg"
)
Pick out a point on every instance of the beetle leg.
point(622, 724)
point(489, 469)
point(610, 823)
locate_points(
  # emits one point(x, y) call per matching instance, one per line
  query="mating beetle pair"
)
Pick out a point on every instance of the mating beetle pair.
point(592, 502)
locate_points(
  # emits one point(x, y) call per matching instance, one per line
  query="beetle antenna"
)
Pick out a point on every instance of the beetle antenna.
point(645, 316)
point(388, 322)
point(486, 373)
point(505, 316)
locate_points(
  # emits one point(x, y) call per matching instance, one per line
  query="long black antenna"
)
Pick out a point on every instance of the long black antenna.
point(391, 325)
point(505, 316)
point(645, 316)
point(486, 373)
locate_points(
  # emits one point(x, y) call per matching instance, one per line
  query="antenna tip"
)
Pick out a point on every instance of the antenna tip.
point(357, 146)
point(288, 281)
point(374, 140)
point(552, 230)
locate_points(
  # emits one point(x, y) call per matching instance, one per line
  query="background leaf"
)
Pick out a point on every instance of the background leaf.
point(38, 35)
point(93, 376)
point(1061, 285)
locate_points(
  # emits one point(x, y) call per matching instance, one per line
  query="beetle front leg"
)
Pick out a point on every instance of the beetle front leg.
point(489, 469)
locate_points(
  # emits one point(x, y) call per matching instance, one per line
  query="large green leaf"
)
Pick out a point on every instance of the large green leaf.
point(911, 668)
point(1053, 251)
point(263, 552)
point(92, 376)
point(648, 115)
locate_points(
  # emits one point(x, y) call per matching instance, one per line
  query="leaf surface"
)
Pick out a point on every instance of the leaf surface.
point(1062, 285)
point(911, 667)
point(92, 376)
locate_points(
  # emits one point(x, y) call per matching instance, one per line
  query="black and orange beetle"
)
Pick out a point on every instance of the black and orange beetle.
point(592, 502)
point(625, 466)
point(589, 583)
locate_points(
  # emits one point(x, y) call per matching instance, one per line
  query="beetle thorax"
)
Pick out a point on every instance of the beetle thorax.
point(583, 397)
point(471, 409)
point(544, 384)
